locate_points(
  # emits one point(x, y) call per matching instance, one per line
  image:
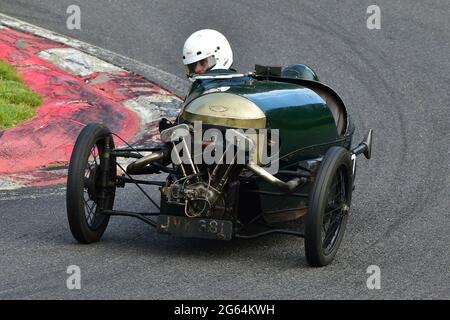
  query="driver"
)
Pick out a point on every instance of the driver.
point(206, 50)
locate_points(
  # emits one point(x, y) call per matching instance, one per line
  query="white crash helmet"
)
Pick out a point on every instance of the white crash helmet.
point(210, 45)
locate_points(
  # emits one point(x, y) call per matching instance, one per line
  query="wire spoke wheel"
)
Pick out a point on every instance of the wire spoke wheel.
point(91, 183)
point(334, 212)
point(328, 208)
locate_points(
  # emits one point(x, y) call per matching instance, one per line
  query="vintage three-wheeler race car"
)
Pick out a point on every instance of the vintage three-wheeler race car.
point(296, 179)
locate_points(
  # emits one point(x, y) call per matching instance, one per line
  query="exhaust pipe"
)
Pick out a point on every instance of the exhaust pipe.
point(266, 176)
point(365, 146)
point(137, 166)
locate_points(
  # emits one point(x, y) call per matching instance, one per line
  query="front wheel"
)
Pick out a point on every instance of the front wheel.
point(91, 183)
point(329, 205)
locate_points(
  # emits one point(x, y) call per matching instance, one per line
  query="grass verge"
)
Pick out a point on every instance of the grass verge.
point(17, 102)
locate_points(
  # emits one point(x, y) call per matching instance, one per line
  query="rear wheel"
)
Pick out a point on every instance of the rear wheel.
point(328, 208)
point(91, 183)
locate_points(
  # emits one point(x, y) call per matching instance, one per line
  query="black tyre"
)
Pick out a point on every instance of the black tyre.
point(328, 208)
point(91, 183)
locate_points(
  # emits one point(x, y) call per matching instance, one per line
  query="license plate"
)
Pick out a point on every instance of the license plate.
point(195, 227)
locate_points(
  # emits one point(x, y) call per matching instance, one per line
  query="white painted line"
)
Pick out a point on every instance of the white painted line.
point(154, 107)
point(160, 77)
point(148, 112)
point(6, 184)
point(35, 195)
point(77, 62)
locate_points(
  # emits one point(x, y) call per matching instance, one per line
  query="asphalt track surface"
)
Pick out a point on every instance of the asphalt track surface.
point(394, 80)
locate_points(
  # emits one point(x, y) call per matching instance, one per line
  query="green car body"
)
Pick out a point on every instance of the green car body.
point(306, 113)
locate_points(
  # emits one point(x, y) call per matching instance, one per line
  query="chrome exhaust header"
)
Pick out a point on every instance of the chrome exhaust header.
point(266, 176)
point(137, 166)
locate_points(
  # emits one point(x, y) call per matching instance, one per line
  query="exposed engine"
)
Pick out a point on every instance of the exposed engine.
point(207, 191)
point(212, 193)
point(200, 198)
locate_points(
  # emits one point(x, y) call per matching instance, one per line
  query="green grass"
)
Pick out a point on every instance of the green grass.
point(17, 102)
